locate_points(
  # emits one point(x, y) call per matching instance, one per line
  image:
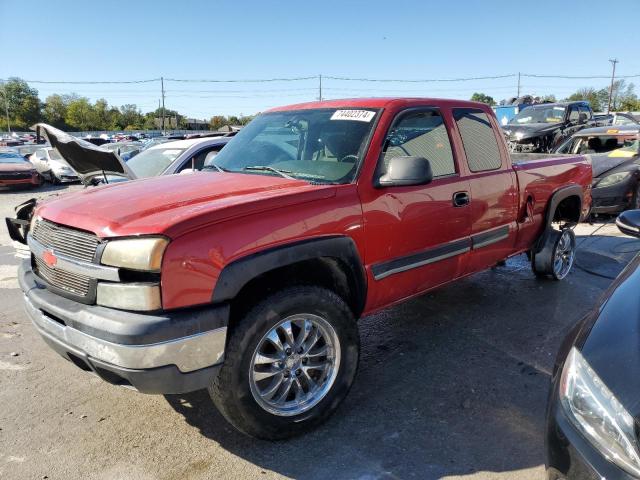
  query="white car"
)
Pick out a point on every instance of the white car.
point(50, 164)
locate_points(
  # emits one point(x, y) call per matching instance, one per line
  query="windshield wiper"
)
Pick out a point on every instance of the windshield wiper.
point(215, 167)
point(266, 168)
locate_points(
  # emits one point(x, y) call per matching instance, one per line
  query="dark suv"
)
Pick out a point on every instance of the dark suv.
point(542, 127)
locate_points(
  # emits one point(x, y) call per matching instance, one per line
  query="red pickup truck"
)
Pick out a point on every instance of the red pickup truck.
point(248, 278)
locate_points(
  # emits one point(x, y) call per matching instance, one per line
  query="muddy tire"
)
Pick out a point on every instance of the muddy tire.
point(289, 363)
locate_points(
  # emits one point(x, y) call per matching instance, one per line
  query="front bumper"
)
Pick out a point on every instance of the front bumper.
point(569, 455)
point(170, 352)
point(5, 182)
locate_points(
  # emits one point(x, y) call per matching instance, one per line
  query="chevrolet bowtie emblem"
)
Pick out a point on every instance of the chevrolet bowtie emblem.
point(49, 258)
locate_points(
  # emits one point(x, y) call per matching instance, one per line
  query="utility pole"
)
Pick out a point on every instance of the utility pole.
point(162, 90)
point(613, 76)
point(518, 96)
point(320, 88)
point(6, 106)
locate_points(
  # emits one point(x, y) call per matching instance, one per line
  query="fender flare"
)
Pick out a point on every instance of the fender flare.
point(555, 199)
point(240, 272)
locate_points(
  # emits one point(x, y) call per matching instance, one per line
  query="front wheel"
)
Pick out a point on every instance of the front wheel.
point(557, 255)
point(289, 363)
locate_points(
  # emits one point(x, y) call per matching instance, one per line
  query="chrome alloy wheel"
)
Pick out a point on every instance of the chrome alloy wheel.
point(295, 365)
point(564, 255)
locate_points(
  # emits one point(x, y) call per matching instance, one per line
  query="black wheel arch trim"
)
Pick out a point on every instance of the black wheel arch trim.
point(554, 200)
point(240, 272)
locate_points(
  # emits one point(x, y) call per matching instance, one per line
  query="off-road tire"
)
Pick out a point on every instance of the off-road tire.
point(231, 391)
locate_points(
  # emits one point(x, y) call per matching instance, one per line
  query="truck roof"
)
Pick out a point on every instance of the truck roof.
point(380, 102)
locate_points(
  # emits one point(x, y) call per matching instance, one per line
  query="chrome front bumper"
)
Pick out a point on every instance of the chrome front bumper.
point(185, 344)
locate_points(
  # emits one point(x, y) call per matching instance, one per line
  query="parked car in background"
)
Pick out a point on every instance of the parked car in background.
point(124, 149)
point(615, 158)
point(52, 166)
point(618, 118)
point(593, 411)
point(103, 164)
point(248, 278)
point(27, 150)
point(542, 127)
point(16, 171)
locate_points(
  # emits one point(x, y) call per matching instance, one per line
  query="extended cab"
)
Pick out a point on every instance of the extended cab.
point(248, 278)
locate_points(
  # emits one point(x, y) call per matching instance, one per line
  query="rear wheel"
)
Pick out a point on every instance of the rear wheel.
point(557, 255)
point(289, 363)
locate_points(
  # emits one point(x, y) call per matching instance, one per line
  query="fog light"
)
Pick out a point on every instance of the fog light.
point(129, 296)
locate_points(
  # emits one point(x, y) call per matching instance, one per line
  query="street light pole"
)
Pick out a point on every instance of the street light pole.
point(613, 76)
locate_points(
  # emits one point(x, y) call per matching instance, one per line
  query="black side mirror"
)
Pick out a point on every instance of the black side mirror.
point(582, 118)
point(405, 171)
point(629, 223)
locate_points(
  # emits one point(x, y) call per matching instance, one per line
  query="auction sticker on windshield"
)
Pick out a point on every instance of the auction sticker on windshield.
point(359, 115)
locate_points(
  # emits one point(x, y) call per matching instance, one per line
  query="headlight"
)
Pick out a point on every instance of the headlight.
point(597, 414)
point(613, 179)
point(135, 253)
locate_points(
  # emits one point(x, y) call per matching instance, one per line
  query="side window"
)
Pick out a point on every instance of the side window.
point(421, 134)
point(573, 114)
point(196, 162)
point(478, 139)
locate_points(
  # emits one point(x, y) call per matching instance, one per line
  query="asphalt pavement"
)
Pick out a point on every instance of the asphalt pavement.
point(451, 385)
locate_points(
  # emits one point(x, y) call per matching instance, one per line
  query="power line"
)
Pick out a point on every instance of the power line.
point(260, 80)
point(404, 80)
point(90, 82)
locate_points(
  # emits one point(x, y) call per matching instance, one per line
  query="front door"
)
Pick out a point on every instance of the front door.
point(417, 237)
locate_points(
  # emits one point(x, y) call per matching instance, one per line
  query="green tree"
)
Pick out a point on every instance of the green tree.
point(216, 122)
point(22, 102)
point(80, 115)
point(131, 117)
point(481, 97)
point(54, 110)
point(588, 94)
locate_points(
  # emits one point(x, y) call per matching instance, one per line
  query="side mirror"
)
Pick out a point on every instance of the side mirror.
point(187, 171)
point(582, 118)
point(629, 223)
point(405, 171)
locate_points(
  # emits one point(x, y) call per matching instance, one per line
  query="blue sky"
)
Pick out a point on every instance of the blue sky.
point(116, 40)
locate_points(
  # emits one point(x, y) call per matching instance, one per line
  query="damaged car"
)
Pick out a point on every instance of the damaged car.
point(540, 128)
point(97, 165)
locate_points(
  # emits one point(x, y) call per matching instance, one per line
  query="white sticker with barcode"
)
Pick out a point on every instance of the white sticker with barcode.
point(357, 115)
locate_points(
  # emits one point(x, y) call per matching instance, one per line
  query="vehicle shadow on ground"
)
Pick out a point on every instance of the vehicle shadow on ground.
point(451, 383)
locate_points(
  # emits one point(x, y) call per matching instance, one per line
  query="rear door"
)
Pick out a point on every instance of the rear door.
point(417, 238)
point(493, 186)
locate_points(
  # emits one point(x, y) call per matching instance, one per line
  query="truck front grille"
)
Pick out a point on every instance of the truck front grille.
point(73, 243)
point(70, 282)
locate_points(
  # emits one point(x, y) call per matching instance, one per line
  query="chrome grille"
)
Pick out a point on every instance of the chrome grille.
point(66, 241)
point(71, 282)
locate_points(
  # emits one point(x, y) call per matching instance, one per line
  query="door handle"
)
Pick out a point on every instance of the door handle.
point(460, 199)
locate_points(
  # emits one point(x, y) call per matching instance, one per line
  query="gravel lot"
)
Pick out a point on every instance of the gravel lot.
point(451, 385)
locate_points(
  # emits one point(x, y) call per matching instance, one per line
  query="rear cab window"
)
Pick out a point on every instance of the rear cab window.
point(478, 139)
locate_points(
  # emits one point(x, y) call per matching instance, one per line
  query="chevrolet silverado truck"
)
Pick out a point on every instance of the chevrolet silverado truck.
point(248, 278)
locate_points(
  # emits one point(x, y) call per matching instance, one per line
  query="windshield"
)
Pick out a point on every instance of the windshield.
point(539, 114)
point(54, 154)
point(154, 161)
point(319, 145)
point(11, 157)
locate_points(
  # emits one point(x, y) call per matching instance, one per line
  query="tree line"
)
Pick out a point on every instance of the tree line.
point(72, 112)
point(623, 97)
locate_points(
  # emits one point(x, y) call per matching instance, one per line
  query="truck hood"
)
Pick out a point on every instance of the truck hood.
point(176, 204)
point(87, 159)
point(532, 130)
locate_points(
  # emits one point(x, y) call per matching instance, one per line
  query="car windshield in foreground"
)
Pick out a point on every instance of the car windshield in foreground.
point(11, 157)
point(154, 161)
point(318, 145)
point(539, 114)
